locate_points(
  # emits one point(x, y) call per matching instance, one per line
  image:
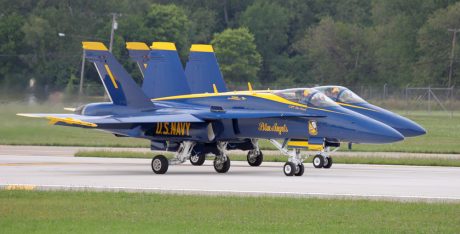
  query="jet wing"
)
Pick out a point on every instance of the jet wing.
point(250, 114)
point(94, 121)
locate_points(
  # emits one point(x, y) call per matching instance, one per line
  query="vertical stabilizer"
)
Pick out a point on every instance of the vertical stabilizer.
point(164, 75)
point(202, 70)
point(119, 85)
point(139, 53)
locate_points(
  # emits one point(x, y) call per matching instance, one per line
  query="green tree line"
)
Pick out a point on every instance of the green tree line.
point(278, 43)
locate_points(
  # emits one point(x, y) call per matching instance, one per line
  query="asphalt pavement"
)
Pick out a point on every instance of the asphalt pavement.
point(54, 172)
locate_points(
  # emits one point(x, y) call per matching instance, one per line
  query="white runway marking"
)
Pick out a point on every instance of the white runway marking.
point(112, 174)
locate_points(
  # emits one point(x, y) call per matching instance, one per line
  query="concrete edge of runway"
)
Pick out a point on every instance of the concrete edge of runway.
point(425, 199)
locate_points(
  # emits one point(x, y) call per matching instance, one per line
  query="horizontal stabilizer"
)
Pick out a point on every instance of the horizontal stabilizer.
point(95, 121)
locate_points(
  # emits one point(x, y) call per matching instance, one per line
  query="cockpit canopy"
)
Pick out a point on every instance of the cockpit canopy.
point(306, 96)
point(340, 94)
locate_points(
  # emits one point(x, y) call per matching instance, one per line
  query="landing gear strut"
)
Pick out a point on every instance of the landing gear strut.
point(160, 163)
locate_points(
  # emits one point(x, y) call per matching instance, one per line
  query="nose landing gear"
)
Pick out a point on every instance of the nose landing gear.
point(323, 159)
point(294, 166)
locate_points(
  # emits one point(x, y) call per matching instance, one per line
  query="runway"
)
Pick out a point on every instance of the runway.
point(112, 174)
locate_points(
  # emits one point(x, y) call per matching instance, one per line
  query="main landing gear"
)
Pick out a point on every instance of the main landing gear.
point(160, 163)
point(222, 162)
point(255, 156)
point(294, 166)
point(291, 169)
point(197, 158)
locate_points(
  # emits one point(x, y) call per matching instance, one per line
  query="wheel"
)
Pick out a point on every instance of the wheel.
point(221, 167)
point(328, 163)
point(289, 169)
point(160, 164)
point(255, 160)
point(318, 161)
point(197, 159)
point(300, 170)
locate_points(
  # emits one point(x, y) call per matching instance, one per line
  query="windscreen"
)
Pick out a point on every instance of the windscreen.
point(331, 91)
point(347, 96)
point(340, 94)
point(306, 96)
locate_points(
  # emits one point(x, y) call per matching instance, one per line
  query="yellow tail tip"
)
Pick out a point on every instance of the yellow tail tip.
point(136, 46)
point(201, 48)
point(163, 46)
point(93, 45)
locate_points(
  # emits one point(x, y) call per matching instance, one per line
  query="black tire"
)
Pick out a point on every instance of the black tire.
point(221, 167)
point(160, 164)
point(289, 169)
point(300, 170)
point(255, 161)
point(328, 163)
point(318, 161)
point(197, 159)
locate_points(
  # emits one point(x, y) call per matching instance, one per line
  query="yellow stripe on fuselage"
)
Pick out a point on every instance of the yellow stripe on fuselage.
point(111, 76)
point(267, 96)
point(354, 106)
point(258, 94)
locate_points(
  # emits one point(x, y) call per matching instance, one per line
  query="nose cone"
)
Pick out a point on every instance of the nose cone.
point(410, 128)
point(366, 130)
point(405, 126)
point(380, 133)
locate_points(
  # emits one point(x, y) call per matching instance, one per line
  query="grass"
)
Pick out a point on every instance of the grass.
point(443, 133)
point(412, 161)
point(104, 212)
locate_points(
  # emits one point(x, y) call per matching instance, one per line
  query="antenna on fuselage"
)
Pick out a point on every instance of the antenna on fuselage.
point(250, 88)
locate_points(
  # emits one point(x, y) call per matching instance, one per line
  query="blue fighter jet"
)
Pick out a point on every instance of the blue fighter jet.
point(203, 74)
point(214, 120)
